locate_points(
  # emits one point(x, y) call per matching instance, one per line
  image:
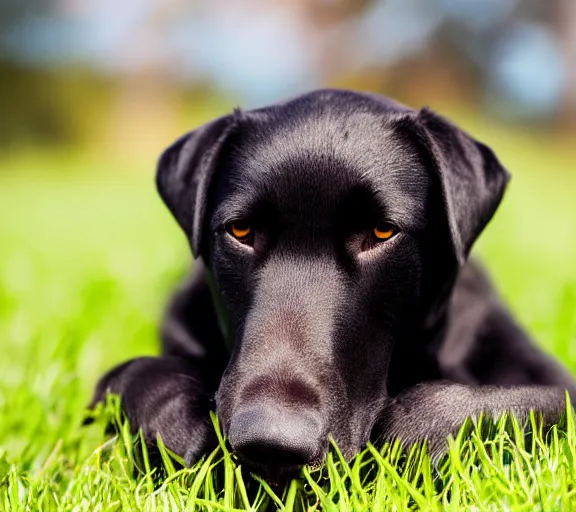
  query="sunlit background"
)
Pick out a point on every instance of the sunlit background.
point(127, 76)
point(91, 91)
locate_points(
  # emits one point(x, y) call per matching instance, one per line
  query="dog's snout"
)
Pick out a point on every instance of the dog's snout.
point(276, 436)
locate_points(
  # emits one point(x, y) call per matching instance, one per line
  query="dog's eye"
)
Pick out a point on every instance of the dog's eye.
point(240, 230)
point(384, 231)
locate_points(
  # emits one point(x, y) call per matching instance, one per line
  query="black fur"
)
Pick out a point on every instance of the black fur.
point(313, 327)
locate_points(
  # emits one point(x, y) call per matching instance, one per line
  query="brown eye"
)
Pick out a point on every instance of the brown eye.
point(384, 231)
point(240, 230)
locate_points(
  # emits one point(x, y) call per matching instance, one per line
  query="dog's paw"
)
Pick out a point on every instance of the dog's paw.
point(433, 411)
point(166, 398)
point(430, 412)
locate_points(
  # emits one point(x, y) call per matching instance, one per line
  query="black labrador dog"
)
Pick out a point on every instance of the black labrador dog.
point(331, 295)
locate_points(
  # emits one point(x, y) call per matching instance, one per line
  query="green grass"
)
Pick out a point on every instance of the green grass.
point(88, 256)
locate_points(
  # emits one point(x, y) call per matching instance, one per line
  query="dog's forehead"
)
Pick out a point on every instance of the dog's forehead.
point(364, 139)
point(311, 157)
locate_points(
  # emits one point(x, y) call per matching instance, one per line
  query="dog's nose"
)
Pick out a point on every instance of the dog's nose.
point(276, 436)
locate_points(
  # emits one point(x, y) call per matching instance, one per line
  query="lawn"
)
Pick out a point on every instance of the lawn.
point(88, 255)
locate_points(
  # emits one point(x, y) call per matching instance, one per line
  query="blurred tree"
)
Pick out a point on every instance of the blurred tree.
point(18, 98)
point(506, 55)
point(566, 22)
point(42, 102)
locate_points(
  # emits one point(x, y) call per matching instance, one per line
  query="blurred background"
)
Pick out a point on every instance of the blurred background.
point(127, 77)
point(91, 91)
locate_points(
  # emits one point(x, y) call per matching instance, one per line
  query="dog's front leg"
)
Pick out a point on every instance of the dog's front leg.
point(165, 396)
point(432, 411)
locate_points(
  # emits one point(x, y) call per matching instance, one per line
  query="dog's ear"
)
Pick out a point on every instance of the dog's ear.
point(184, 173)
point(471, 178)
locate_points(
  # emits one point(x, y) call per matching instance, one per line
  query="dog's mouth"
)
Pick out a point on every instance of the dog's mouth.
point(278, 475)
point(276, 470)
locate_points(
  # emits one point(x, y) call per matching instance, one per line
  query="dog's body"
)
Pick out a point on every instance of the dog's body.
point(332, 295)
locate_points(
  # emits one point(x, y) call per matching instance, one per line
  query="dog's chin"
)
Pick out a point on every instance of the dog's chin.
point(277, 475)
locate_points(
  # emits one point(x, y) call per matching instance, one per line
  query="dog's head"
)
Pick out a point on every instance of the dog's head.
point(332, 227)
